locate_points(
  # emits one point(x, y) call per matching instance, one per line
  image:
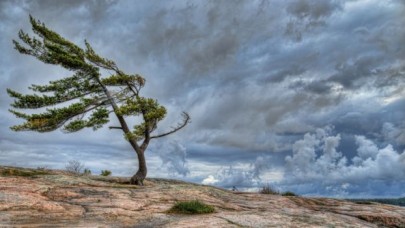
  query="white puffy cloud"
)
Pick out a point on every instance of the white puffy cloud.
point(210, 180)
point(316, 161)
point(241, 176)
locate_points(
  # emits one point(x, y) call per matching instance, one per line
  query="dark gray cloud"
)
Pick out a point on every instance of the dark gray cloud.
point(258, 78)
point(306, 15)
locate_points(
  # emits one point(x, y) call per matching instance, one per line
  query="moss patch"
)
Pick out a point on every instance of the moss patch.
point(23, 173)
point(191, 207)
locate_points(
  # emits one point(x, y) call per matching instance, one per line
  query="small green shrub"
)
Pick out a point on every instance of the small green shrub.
point(87, 172)
point(105, 173)
point(267, 189)
point(288, 194)
point(191, 207)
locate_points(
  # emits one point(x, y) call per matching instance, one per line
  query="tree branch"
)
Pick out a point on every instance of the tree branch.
point(186, 120)
point(114, 127)
point(145, 142)
point(82, 113)
point(121, 119)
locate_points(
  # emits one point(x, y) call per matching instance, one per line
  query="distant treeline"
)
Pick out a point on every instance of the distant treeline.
point(398, 202)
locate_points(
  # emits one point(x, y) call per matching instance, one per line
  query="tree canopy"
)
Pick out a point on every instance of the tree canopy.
point(86, 96)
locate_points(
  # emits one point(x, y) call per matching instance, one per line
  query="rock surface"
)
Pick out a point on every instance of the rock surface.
point(32, 198)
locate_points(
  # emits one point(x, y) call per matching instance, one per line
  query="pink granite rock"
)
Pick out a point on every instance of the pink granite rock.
point(55, 199)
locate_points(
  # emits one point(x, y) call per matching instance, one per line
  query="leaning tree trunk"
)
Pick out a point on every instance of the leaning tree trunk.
point(140, 175)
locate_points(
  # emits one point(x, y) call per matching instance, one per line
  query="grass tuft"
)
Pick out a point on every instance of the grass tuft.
point(267, 189)
point(23, 173)
point(191, 207)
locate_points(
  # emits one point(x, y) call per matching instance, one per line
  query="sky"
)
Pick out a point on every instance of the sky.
point(305, 96)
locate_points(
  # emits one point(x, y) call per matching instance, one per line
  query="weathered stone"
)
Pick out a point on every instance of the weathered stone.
point(54, 199)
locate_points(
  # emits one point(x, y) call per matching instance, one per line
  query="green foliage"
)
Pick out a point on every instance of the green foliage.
point(105, 173)
point(23, 172)
point(97, 119)
point(49, 120)
point(267, 189)
point(31, 101)
point(87, 172)
point(85, 99)
point(191, 207)
point(146, 106)
point(53, 49)
point(92, 100)
point(288, 193)
point(123, 79)
point(97, 60)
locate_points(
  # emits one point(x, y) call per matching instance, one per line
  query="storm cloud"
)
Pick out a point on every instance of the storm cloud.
point(278, 91)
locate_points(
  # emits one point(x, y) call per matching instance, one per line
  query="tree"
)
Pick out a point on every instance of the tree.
point(88, 97)
point(74, 167)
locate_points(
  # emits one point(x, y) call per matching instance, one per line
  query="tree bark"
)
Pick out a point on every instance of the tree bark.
point(140, 175)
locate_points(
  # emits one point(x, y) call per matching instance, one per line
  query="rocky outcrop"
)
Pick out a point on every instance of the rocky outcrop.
point(55, 199)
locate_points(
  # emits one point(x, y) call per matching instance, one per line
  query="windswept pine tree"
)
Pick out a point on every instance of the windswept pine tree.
point(88, 96)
